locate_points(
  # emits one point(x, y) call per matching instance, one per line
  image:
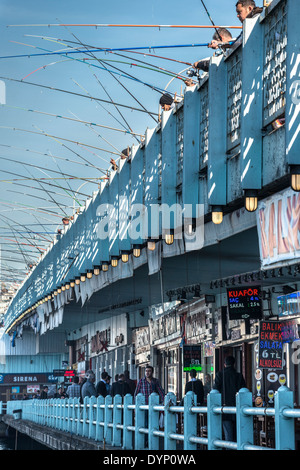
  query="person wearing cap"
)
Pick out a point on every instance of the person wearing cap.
point(166, 102)
point(88, 388)
point(101, 387)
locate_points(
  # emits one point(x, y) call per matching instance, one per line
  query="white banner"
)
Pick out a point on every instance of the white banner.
point(278, 226)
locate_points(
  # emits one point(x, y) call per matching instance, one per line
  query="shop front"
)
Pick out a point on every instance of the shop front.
point(199, 345)
point(21, 386)
point(165, 336)
point(143, 351)
point(108, 346)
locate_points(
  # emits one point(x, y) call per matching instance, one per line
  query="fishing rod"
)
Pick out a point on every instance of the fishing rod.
point(21, 225)
point(68, 140)
point(47, 155)
point(111, 52)
point(36, 197)
point(103, 50)
point(124, 74)
point(102, 25)
point(64, 174)
point(74, 120)
point(48, 169)
point(103, 88)
point(114, 77)
point(210, 18)
point(111, 101)
point(73, 93)
point(13, 232)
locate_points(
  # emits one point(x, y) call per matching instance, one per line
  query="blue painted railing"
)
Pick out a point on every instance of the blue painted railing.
point(127, 425)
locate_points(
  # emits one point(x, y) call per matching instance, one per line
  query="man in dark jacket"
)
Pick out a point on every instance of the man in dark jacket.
point(101, 388)
point(228, 382)
point(195, 385)
point(120, 387)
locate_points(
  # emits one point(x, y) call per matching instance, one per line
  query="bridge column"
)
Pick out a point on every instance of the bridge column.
point(252, 105)
point(216, 165)
point(292, 128)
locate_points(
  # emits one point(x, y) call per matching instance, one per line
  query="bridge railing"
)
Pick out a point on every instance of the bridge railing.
point(124, 424)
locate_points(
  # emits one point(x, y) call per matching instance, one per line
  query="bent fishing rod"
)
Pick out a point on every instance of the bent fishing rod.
point(103, 25)
point(74, 93)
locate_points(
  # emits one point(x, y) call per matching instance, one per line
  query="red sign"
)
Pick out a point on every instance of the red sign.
point(270, 345)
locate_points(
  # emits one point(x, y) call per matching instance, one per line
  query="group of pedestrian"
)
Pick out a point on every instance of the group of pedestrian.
point(122, 385)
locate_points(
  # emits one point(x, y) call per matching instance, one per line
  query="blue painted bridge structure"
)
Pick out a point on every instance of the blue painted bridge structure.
point(154, 215)
point(124, 424)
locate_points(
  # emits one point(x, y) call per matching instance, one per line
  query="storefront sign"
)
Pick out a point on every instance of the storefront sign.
point(270, 351)
point(278, 225)
point(191, 358)
point(289, 304)
point(244, 303)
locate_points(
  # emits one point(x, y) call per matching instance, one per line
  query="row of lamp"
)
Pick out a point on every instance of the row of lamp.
point(251, 196)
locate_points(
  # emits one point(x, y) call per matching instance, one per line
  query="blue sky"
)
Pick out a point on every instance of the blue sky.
point(79, 77)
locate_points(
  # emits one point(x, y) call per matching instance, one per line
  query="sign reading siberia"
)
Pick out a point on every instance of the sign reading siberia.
point(244, 303)
point(270, 351)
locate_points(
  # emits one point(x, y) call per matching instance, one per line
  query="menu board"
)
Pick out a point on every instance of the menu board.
point(270, 352)
point(244, 303)
point(191, 358)
point(266, 381)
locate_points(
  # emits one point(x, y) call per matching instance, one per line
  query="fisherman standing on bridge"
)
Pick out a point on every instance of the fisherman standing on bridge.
point(247, 9)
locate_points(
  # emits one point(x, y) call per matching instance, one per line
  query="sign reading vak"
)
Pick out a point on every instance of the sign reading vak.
point(270, 351)
point(244, 303)
point(191, 358)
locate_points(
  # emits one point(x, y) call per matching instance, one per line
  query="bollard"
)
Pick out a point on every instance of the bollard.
point(170, 422)
point(92, 412)
point(190, 421)
point(128, 421)
point(244, 423)
point(214, 420)
point(153, 424)
point(284, 427)
point(139, 439)
point(108, 419)
point(100, 419)
point(117, 420)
